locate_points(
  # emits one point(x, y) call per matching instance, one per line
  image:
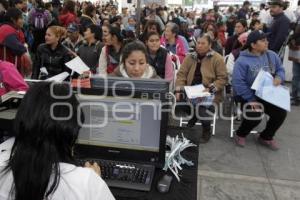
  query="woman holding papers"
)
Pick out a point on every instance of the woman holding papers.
point(206, 67)
point(39, 163)
point(257, 57)
point(51, 56)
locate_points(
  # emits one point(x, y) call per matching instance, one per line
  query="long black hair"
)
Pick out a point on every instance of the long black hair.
point(133, 46)
point(46, 129)
point(12, 15)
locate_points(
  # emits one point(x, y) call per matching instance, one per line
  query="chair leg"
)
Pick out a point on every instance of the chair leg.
point(231, 126)
point(214, 124)
point(180, 122)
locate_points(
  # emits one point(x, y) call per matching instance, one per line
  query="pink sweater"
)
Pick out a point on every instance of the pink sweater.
point(10, 78)
point(181, 49)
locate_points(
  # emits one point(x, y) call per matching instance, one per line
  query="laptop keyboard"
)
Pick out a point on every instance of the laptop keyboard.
point(124, 174)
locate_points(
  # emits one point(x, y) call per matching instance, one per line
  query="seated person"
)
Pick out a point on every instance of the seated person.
point(52, 55)
point(38, 163)
point(74, 39)
point(233, 56)
point(159, 57)
point(111, 53)
point(10, 79)
point(134, 62)
point(206, 67)
point(90, 50)
point(257, 57)
point(173, 42)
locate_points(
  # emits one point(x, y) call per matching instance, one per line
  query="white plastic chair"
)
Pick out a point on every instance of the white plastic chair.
point(213, 124)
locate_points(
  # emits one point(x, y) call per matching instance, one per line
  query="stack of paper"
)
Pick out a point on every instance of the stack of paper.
point(276, 95)
point(59, 77)
point(196, 91)
point(77, 65)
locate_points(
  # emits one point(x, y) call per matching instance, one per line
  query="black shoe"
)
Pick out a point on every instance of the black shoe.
point(295, 103)
point(206, 135)
point(192, 122)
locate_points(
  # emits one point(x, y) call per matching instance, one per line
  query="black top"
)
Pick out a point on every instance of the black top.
point(279, 32)
point(159, 61)
point(53, 60)
point(198, 75)
point(90, 54)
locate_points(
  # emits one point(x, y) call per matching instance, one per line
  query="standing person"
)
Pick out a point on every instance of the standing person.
point(52, 55)
point(68, 14)
point(289, 12)
point(240, 27)
point(246, 68)
point(173, 42)
point(294, 56)
point(265, 17)
point(54, 21)
point(3, 8)
point(12, 41)
point(158, 57)
point(243, 13)
point(91, 48)
point(206, 67)
point(38, 19)
point(38, 163)
point(87, 17)
point(111, 53)
point(279, 30)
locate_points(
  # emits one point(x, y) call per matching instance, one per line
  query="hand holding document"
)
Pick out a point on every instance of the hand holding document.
point(77, 65)
point(196, 91)
point(266, 90)
point(198, 94)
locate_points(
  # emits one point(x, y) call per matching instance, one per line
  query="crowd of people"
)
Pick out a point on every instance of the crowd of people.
point(217, 48)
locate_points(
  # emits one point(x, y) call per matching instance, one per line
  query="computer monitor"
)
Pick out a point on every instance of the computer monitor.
point(124, 120)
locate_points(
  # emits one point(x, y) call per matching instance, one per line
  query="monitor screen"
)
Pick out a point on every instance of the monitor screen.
point(125, 119)
point(126, 123)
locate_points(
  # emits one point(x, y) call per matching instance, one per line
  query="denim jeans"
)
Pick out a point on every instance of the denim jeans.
point(296, 80)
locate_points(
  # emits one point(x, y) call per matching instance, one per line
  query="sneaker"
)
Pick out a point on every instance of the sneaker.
point(240, 141)
point(271, 144)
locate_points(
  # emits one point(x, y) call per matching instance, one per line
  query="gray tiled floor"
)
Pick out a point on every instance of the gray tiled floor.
point(253, 172)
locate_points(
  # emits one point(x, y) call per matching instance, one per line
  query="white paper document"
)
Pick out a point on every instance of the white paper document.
point(77, 65)
point(196, 91)
point(276, 95)
point(59, 77)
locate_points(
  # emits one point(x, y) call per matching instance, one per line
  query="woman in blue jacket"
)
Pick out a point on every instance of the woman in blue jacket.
point(255, 57)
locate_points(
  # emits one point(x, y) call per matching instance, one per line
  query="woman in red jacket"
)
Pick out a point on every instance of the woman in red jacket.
point(68, 15)
point(12, 41)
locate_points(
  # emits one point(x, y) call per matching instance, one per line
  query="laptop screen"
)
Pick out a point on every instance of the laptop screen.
point(127, 123)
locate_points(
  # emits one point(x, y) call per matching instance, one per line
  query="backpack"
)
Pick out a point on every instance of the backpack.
point(39, 19)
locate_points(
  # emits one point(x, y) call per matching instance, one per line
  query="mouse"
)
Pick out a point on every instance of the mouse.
point(163, 185)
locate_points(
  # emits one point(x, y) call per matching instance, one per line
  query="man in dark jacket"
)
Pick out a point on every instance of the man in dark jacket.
point(280, 26)
point(243, 12)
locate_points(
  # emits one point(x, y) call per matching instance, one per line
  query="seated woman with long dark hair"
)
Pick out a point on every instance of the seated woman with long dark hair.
point(158, 57)
point(38, 163)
